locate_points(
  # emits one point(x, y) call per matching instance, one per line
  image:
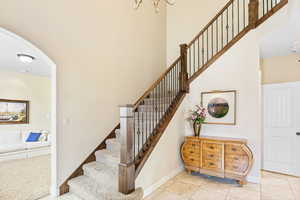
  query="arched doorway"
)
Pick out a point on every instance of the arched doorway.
point(22, 47)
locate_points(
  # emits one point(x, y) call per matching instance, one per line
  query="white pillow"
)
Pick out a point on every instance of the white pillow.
point(43, 137)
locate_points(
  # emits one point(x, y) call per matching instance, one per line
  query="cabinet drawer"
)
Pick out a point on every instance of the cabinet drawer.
point(212, 164)
point(192, 144)
point(213, 147)
point(189, 149)
point(236, 163)
point(192, 162)
point(234, 149)
point(212, 155)
point(235, 167)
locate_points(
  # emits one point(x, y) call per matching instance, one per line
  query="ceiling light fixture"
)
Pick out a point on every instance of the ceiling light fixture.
point(24, 58)
point(137, 3)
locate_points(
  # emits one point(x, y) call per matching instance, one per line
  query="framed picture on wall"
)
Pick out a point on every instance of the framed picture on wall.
point(220, 107)
point(14, 111)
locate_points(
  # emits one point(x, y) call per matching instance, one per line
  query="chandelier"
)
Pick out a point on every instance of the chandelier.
point(137, 3)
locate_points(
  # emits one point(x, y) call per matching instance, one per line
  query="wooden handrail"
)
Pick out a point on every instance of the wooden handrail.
point(210, 22)
point(148, 91)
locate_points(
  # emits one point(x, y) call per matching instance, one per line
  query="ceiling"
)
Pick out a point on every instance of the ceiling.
point(286, 39)
point(10, 47)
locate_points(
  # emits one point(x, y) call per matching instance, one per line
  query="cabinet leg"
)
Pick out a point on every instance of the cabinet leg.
point(242, 182)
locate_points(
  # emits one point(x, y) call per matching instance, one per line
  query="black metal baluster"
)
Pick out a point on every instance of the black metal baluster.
point(194, 58)
point(134, 129)
point(227, 27)
point(244, 13)
point(202, 35)
point(232, 20)
point(198, 54)
point(190, 59)
point(206, 45)
point(238, 10)
point(212, 39)
point(271, 4)
point(138, 132)
point(217, 35)
point(142, 121)
point(222, 27)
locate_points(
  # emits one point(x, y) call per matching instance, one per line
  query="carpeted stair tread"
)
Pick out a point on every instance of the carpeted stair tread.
point(108, 157)
point(102, 173)
point(87, 189)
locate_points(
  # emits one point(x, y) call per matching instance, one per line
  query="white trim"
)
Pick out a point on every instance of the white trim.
point(54, 166)
point(284, 84)
point(162, 181)
point(254, 179)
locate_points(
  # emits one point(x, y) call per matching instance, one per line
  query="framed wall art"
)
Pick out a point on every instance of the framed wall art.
point(220, 107)
point(14, 111)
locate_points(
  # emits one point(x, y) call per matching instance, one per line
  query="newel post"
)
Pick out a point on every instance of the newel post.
point(253, 13)
point(126, 166)
point(184, 84)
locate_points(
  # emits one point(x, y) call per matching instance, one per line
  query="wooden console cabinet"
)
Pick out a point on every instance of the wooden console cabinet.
point(218, 156)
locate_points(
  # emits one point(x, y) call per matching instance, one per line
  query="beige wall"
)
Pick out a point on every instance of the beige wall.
point(186, 19)
point(37, 90)
point(165, 161)
point(106, 53)
point(238, 69)
point(281, 69)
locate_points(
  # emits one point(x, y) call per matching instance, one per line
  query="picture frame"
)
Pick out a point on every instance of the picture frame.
point(14, 112)
point(220, 107)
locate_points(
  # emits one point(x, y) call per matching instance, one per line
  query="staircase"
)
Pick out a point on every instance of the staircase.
point(109, 173)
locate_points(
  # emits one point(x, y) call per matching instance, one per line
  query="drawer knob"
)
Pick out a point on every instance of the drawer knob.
point(191, 152)
point(193, 145)
point(211, 147)
point(235, 167)
point(234, 149)
point(211, 155)
point(236, 158)
point(211, 164)
point(192, 159)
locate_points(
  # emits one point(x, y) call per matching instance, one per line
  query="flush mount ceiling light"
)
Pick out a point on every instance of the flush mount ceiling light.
point(24, 58)
point(137, 3)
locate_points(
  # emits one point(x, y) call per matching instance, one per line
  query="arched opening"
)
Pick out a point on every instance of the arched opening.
point(27, 67)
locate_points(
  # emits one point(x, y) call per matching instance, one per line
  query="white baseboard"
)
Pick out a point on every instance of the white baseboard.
point(54, 191)
point(163, 180)
point(253, 179)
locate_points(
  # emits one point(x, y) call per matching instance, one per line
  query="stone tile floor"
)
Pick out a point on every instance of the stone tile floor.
point(196, 187)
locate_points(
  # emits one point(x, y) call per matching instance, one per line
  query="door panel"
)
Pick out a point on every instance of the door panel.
point(281, 122)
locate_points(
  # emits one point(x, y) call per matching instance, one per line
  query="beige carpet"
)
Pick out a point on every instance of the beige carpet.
point(25, 179)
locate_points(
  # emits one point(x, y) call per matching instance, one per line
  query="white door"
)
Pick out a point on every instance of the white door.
point(282, 128)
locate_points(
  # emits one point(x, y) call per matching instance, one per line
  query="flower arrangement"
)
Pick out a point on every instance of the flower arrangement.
point(198, 117)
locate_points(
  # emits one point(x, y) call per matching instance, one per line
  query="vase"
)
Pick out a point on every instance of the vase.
point(197, 128)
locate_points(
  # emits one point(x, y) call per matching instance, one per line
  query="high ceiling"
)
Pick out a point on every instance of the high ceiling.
point(10, 47)
point(286, 39)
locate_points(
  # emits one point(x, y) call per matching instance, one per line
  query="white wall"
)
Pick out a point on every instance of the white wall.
point(37, 90)
point(165, 161)
point(106, 54)
point(238, 69)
